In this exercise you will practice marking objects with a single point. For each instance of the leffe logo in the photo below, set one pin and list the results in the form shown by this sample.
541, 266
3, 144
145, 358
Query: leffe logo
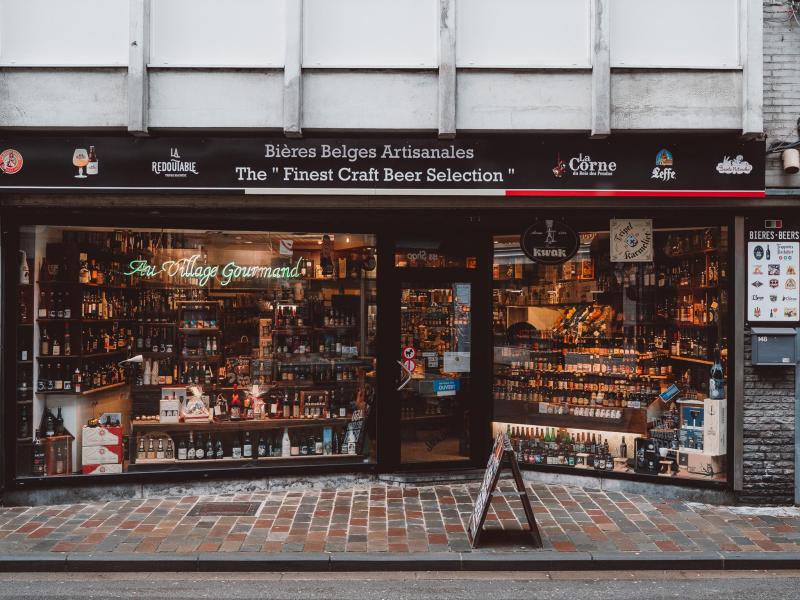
663, 169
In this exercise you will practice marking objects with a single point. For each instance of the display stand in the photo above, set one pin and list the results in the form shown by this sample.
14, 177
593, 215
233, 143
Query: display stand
502, 456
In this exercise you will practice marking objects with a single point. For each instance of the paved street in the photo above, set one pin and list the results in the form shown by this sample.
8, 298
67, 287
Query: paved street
380, 519
419, 586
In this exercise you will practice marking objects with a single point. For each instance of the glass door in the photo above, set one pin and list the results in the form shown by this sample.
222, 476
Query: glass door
434, 387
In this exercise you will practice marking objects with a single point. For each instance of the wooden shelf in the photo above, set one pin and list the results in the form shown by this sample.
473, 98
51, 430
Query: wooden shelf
633, 419
208, 357
83, 356
104, 388
236, 425
85, 393
698, 361
48, 320
230, 459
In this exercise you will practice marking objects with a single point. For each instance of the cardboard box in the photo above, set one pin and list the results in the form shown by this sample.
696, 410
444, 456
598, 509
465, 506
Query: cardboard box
700, 463
101, 455
715, 427
101, 436
102, 469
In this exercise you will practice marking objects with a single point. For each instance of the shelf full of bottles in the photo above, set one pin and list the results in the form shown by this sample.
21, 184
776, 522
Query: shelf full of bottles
428, 321
200, 446
555, 447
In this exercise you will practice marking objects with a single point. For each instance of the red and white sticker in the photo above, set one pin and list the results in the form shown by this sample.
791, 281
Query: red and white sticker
409, 352
10, 161
409, 364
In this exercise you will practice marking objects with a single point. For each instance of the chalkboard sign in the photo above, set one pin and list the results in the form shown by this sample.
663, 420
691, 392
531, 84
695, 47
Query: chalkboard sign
502, 456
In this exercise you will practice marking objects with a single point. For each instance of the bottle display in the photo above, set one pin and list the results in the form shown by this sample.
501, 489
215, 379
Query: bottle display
596, 362
210, 356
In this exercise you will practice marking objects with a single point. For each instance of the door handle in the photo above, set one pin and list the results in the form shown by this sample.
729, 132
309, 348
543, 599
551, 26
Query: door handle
407, 373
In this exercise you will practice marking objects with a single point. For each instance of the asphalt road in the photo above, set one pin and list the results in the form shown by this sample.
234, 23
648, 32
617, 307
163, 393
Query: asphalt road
418, 586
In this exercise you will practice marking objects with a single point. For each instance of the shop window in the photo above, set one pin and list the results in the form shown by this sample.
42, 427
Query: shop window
141, 350
606, 366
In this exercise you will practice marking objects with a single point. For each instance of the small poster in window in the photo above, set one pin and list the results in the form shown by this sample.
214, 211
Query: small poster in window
631, 240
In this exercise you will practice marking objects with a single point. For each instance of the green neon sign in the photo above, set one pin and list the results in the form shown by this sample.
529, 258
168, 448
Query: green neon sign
191, 268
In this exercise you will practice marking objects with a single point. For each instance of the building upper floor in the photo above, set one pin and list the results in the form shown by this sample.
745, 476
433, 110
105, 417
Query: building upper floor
407, 65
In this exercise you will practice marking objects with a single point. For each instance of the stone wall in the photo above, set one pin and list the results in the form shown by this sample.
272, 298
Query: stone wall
768, 460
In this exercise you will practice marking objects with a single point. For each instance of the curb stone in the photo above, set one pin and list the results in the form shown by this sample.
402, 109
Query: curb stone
73, 562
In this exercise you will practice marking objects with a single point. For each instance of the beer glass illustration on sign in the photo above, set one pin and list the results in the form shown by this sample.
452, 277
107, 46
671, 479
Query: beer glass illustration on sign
80, 158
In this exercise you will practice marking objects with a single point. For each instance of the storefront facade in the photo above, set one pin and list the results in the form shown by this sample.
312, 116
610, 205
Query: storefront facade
375, 304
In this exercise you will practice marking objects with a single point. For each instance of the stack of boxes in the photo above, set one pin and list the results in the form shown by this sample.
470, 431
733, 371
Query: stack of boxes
710, 429
102, 450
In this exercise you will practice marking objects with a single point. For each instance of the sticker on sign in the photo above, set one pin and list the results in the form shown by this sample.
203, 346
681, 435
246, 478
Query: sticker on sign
409, 352
409, 364
286, 247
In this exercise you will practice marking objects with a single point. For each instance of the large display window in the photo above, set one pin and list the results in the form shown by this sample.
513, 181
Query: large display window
616, 361
147, 350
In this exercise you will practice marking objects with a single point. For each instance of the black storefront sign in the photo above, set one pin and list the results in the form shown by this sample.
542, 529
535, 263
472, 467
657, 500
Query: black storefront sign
496, 165
549, 242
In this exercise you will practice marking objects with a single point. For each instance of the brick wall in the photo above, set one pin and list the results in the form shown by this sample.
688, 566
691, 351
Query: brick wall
781, 85
768, 459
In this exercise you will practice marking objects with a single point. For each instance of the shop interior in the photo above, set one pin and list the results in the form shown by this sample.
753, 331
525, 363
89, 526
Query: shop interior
169, 349
615, 366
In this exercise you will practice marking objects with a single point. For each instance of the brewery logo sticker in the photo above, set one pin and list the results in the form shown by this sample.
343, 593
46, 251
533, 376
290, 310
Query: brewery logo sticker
583, 166
757, 270
631, 240
758, 252
549, 242
10, 161
663, 170
773, 283
757, 284
774, 269
175, 166
734, 166
790, 284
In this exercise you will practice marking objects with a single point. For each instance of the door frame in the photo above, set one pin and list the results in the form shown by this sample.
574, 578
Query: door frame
390, 279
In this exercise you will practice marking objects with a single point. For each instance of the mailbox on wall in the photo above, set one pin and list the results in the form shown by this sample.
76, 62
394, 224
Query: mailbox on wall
774, 346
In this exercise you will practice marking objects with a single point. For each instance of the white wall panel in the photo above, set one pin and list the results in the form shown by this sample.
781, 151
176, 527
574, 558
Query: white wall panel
63, 98
369, 100
214, 99
213, 33
58, 33
676, 100
370, 33
523, 101
523, 33
678, 33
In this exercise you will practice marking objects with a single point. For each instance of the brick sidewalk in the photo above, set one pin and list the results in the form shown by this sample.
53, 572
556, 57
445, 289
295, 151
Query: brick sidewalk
394, 519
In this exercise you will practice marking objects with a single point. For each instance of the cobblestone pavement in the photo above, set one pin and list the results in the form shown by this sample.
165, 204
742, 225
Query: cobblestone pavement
394, 519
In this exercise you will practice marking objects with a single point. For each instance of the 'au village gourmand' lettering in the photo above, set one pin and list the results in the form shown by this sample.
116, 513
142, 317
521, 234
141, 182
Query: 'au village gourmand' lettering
190, 268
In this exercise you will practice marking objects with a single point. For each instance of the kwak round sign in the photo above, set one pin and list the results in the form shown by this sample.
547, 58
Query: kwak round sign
549, 242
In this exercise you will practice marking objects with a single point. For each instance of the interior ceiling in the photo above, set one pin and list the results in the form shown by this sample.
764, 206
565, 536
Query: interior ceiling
229, 239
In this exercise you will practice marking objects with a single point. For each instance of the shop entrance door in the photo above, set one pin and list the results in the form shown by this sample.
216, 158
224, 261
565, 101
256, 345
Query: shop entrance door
434, 388
437, 298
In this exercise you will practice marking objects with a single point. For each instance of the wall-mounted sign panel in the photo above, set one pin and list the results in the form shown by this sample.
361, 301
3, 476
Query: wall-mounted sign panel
773, 265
